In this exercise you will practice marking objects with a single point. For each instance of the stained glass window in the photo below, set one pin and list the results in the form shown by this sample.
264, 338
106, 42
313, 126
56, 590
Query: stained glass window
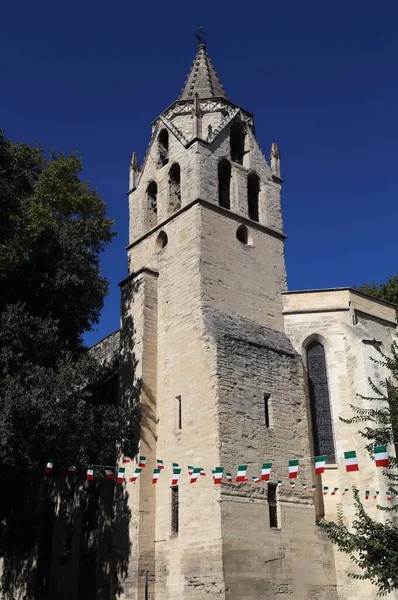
322, 427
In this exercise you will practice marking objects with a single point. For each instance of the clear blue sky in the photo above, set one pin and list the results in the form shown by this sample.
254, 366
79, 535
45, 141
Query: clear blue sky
320, 78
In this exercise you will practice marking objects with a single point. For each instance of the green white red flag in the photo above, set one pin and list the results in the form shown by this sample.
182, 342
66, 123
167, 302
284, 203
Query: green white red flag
312, 489
266, 471
217, 474
155, 476
202, 473
49, 467
345, 491
194, 475
376, 495
159, 464
292, 484
229, 477
176, 475
190, 470
135, 475
120, 475
334, 491
256, 479
367, 492
304, 486
90, 474
279, 483
126, 459
293, 468
109, 474
320, 462
351, 461
176, 466
389, 496
241, 474
142, 462
381, 456
325, 490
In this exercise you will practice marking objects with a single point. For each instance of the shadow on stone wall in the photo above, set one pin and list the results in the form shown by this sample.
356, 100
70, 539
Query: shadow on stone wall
80, 546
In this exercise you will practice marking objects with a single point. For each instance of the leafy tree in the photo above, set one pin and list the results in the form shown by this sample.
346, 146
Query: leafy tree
56, 403
373, 546
384, 291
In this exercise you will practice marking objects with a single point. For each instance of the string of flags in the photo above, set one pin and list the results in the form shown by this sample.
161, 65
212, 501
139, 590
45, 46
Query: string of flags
350, 457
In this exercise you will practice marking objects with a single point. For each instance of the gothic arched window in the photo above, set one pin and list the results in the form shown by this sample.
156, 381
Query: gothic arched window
224, 181
152, 203
174, 187
163, 143
321, 417
253, 191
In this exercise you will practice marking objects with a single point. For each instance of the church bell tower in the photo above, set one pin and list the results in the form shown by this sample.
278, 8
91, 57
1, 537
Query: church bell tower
221, 383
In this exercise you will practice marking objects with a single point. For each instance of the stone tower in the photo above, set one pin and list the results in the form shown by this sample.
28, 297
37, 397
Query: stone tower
221, 382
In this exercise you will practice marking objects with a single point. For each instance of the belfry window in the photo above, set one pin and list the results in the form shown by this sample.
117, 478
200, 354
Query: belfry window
163, 143
237, 142
174, 187
152, 203
224, 183
253, 191
321, 417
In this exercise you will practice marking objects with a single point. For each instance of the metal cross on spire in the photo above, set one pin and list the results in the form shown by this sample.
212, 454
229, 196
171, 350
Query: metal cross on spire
200, 35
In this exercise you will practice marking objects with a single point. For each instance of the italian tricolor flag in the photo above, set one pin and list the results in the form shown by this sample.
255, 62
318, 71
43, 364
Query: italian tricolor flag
334, 491
389, 496
90, 474
351, 461
304, 486
320, 462
202, 473
325, 490
71, 470
49, 467
120, 475
176, 475
241, 474
266, 471
190, 470
229, 477
126, 459
135, 475
142, 462
345, 491
109, 474
256, 479
313, 488
194, 475
279, 483
293, 468
159, 464
381, 456
377, 493
176, 466
367, 492
155, 476
217, 474
292, 484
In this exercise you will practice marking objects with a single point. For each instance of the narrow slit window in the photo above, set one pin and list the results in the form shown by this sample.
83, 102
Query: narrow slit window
174, 510
179, 412
267, 410
272, 506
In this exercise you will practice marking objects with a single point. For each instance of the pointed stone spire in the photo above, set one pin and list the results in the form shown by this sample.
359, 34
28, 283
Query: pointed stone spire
275, 160
202, 80
134, 171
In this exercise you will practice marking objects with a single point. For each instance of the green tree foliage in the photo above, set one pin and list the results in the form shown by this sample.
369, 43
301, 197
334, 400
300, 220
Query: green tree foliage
384, 291
373, 546
56, 400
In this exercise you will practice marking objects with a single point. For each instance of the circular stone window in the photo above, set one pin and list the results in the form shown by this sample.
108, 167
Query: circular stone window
243, 235
161, 241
